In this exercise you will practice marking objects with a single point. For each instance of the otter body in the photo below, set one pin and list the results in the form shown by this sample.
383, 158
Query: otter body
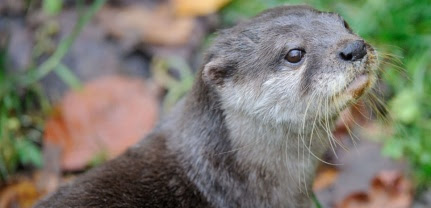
251, 131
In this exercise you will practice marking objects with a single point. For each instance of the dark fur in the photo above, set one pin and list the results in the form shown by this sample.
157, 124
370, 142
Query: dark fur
152, 175
148, 176
187, 161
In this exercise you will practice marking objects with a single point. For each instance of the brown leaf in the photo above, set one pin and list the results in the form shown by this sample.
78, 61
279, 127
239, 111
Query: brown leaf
388, 189
356, 200
105, 117
156, 25
198, 7
325, 178
22, 194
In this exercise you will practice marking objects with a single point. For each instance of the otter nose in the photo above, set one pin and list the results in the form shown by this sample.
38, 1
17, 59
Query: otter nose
354, 51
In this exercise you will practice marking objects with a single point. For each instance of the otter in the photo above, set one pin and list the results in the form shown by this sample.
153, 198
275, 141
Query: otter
253, 128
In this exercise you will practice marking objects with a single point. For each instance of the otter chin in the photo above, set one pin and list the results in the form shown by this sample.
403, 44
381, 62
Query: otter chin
254, 126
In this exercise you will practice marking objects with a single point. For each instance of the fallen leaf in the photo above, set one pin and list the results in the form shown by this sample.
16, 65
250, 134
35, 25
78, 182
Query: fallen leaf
324, 178
104, 118
388, 189
22, 194
138, 23
356, 200
198, 7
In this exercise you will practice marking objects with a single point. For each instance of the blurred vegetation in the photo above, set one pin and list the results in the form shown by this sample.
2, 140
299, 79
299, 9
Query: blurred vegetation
22, 102
20, 125
176, 87
401, 32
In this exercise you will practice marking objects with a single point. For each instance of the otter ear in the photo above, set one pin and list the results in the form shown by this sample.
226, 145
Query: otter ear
216, 72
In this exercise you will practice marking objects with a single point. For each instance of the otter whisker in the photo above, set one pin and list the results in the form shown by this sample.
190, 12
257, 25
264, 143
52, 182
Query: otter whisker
344, 147
372, 100
303, 142
398, 66
351, 134
395, 57
363, 104
299, 175
391, 56
286, 154
337, 109
327, 129
311, 137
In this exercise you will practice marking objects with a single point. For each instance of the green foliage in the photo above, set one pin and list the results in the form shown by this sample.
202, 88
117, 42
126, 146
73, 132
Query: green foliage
242, 9
22, 105
402, 29
52, 7
401, 33
20, 126
177, 88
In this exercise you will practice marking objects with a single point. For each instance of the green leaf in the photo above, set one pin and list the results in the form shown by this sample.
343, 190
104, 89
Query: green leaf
405, 106
29, 153
393, 148
425, 158
52, 7
67, 76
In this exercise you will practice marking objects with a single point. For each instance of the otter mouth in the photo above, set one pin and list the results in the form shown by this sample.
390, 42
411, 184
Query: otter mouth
358, 85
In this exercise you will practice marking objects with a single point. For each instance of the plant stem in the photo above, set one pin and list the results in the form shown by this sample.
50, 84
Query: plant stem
68, 77
315, 200
63, 47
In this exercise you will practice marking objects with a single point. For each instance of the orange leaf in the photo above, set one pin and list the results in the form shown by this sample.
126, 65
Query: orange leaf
22, 194
198, 7
147, 25
325, 178
388, 189
105, 117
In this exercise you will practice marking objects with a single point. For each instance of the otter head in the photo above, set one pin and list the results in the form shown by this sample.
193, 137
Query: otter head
290, 64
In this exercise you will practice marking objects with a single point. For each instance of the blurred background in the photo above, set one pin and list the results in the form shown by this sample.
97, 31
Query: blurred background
81, 80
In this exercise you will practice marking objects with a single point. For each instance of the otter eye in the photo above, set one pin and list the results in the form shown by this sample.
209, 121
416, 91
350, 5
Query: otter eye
294, 56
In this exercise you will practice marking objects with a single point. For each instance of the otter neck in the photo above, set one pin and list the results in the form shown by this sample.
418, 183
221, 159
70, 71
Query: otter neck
274, 145
264, 144
235, 159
